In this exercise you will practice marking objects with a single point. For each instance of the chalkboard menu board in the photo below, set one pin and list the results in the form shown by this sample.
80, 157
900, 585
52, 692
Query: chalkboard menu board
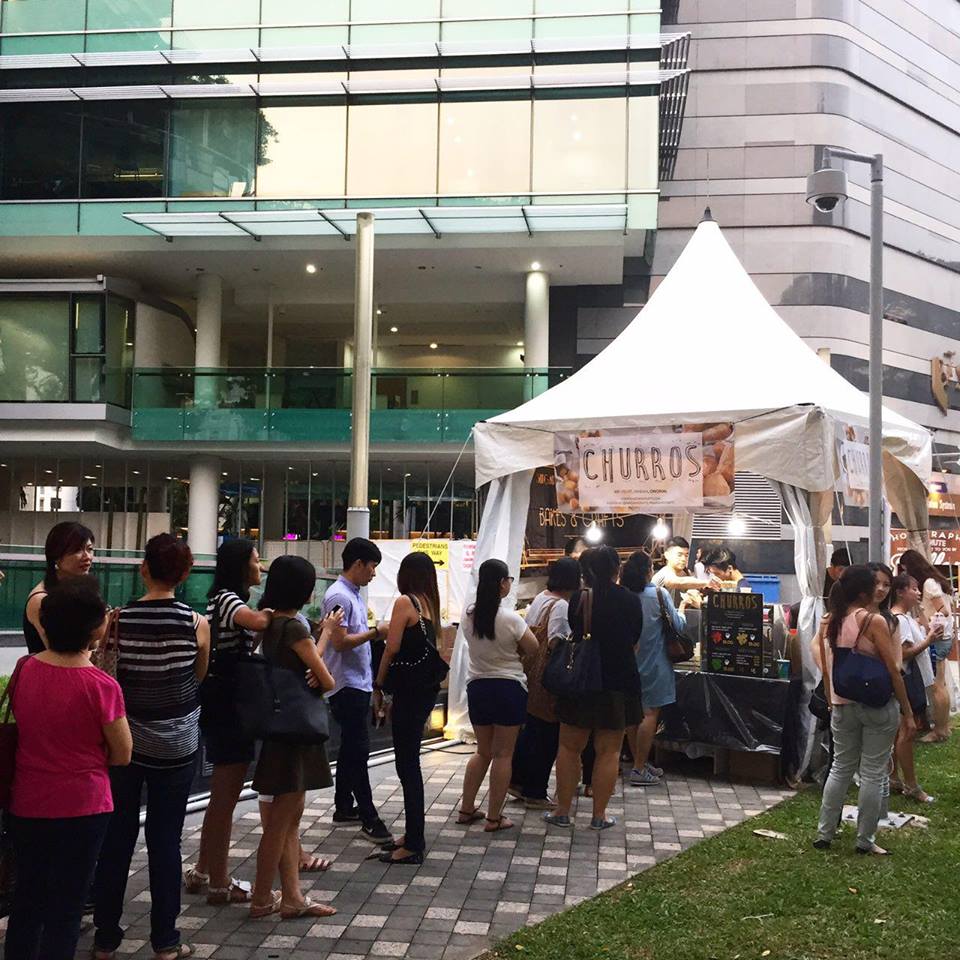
733, 639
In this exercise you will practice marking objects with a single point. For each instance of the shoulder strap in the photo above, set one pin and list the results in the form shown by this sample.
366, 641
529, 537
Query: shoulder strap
545, 613
587, 605
6, 701
416, 606
215, 623
864, 623
825, 673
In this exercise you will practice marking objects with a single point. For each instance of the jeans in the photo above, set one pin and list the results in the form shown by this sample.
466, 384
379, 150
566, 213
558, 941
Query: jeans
351, 710
167, 793
534, 756
55, 860
862, 738
409, 715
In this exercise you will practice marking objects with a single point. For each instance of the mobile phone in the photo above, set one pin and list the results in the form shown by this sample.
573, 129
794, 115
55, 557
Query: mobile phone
337, 609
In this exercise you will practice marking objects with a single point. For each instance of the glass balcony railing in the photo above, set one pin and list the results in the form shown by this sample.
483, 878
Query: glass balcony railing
312, 404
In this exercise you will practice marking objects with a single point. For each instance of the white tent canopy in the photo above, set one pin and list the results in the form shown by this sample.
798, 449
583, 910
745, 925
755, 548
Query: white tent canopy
707, 347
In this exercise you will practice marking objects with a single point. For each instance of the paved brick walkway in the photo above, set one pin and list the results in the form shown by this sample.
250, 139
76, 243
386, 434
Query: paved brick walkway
472, 889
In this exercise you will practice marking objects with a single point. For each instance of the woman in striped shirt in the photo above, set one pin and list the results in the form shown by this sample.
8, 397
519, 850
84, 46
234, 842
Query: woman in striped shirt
162, 652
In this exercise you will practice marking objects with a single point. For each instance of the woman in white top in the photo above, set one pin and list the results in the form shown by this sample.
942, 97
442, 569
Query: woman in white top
914, 641
936, 606
496, 638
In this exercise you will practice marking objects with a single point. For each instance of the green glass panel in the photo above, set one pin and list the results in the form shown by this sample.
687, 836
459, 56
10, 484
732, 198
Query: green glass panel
642, 212
186, 206
120, 341
652, 6
302, 37
215, 39
152, 424
387, 426
457, 424
41, 151
88, 380
34, 348
38, 219
390, 10
212, 150
112, 42
478, 30
23, 16
309, 426
86, 324
581, 26
645, 23
64, 43
107, 219
123, 150
236, 425
216, 13
120, 14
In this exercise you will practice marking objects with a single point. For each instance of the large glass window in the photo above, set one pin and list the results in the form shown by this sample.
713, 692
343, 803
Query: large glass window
34, 348
644, 171
292, 11
212, 150
26, 16
479, 30
125, 14
389, 11
302, 151
216, 13
119, 350
468, 164
392, 149
579, 144
123, 146
40, 152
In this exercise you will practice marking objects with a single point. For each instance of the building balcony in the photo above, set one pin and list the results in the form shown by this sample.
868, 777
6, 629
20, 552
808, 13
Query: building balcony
312, 404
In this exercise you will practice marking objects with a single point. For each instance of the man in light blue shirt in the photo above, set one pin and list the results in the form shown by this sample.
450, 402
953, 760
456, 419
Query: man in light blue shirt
350, 662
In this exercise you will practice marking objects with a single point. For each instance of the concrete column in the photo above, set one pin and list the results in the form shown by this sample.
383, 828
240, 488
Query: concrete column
536, 320
358, 505
203, 504
209, 310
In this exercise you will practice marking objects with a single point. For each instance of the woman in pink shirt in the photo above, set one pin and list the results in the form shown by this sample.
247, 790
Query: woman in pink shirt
71, 727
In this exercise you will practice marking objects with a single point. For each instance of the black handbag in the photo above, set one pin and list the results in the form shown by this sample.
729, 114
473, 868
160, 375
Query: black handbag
859, 677
678, 645
916, 691
276, 703
218, 690
421, 669
574, 668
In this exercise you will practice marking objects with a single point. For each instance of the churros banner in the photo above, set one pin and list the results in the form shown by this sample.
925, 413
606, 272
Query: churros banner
659, 470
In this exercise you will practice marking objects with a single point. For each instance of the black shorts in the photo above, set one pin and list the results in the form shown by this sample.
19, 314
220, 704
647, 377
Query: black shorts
496, 701
226, 745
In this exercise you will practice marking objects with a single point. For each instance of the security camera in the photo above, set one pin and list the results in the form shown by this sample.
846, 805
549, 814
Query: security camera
827, 189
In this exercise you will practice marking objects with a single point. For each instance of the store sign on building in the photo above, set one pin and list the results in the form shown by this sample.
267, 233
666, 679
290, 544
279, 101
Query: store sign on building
944, 375
944, 546
944, 495
660, 470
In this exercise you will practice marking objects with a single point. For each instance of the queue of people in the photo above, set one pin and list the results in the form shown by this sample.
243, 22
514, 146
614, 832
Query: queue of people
113, 739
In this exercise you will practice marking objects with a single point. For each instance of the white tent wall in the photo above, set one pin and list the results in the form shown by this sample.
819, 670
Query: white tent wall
501, 534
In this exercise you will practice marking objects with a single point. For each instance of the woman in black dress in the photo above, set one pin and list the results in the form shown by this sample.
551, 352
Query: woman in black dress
413, 628
286, 771
617, 619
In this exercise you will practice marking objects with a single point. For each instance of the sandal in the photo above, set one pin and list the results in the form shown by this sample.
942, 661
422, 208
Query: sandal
194, 881
306, 909
472, 817
896, 786
501, 823
919, 794
315, 865
238, 892
180, 952
557, 819
260, 910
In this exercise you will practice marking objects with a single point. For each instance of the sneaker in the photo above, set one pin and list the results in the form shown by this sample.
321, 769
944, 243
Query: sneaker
539, 803
557, 820
656, 771
377, 833
348, 816
643, 778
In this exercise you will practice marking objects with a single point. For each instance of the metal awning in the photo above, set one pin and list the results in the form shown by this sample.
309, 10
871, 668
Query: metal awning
421, 220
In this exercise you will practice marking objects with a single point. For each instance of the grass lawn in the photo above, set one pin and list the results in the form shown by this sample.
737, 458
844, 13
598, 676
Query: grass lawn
736, 895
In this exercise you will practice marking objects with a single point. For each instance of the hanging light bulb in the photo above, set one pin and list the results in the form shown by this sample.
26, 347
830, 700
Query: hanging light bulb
660, 530
593, 533
737, 527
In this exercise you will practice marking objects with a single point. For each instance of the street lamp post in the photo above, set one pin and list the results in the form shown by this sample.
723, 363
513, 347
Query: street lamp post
826, 189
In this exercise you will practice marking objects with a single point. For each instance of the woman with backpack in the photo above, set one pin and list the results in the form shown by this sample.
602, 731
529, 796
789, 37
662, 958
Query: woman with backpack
612, 617
536, 749
863, 730
658, 686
